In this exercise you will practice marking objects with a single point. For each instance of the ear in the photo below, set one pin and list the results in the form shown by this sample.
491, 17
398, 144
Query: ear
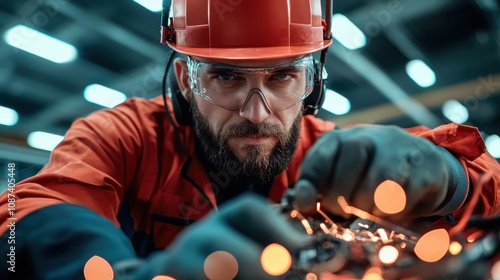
181, 73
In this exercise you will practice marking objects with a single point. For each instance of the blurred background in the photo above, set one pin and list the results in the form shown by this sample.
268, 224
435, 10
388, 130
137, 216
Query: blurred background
402, 62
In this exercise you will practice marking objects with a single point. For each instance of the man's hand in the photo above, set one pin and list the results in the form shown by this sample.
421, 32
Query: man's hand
243, 228
353, 162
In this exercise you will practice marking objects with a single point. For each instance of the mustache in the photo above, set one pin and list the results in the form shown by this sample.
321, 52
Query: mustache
247, 128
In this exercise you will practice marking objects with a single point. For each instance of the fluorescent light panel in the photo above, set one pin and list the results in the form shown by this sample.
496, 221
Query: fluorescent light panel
347, 33
336, 103
40, 44
493, 145
420, 73
103, 96
44, 140
455, 111
152, 5
8, 116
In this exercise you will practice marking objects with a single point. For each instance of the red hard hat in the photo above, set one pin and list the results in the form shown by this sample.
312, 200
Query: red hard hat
245, 29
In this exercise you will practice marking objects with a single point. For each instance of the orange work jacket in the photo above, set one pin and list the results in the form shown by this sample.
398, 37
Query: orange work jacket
124, 163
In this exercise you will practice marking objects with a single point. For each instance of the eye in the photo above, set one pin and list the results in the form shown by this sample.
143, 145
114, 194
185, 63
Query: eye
286, 74
226, 77
281, 76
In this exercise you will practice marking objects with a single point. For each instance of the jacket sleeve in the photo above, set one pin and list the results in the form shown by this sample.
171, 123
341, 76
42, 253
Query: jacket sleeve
74, 200
466, 144
91, 167
61, 238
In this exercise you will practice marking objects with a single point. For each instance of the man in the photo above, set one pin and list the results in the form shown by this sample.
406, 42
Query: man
132, 180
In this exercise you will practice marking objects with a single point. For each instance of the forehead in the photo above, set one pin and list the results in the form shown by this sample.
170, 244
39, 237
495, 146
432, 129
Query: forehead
248, 63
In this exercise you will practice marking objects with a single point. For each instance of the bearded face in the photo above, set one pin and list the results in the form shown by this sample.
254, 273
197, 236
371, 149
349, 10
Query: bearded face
260, 161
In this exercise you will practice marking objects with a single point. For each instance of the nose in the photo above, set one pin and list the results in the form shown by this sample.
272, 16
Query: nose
255, 108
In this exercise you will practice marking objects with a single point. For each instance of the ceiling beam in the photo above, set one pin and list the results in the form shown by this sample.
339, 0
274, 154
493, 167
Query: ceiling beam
400, 38
386, 17
73, 75
142, 82
470, 93
16, 153
114, 32
381, 13
145, 81
385, 85
33, 90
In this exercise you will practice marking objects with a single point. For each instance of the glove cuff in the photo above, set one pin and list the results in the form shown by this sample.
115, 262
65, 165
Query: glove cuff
457, 187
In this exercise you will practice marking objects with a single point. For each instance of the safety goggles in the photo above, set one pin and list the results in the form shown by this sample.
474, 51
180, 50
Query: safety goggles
281, 86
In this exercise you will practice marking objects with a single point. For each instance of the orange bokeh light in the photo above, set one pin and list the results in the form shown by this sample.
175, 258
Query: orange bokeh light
373, 273
474, 236
433, 245
388, 254
276, 260
220, 265
97, 268
163, 277
311, 276
390, 197
455, 248
495, 271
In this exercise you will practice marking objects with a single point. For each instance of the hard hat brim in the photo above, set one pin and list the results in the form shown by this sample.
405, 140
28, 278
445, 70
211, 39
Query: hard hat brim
257, 53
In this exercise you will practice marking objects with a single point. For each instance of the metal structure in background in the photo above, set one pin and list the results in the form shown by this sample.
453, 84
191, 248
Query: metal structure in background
118, 47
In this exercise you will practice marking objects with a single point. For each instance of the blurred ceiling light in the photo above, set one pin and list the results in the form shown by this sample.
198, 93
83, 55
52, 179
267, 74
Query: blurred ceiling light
44, 140
152, 5
455, 111
493, 145
420, 73
9, 117
40, 44
336, 103
348, 34
103, 96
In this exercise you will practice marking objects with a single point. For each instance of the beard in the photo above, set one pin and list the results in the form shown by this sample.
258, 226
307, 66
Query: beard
255, 165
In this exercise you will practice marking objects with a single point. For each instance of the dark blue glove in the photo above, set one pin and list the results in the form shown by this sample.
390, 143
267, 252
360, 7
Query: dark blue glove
243, 227
353, 162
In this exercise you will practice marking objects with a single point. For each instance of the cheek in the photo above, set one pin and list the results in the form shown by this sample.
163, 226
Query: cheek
289, 116
215, 116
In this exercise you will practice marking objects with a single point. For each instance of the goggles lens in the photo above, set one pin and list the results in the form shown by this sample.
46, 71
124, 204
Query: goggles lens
283, 85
